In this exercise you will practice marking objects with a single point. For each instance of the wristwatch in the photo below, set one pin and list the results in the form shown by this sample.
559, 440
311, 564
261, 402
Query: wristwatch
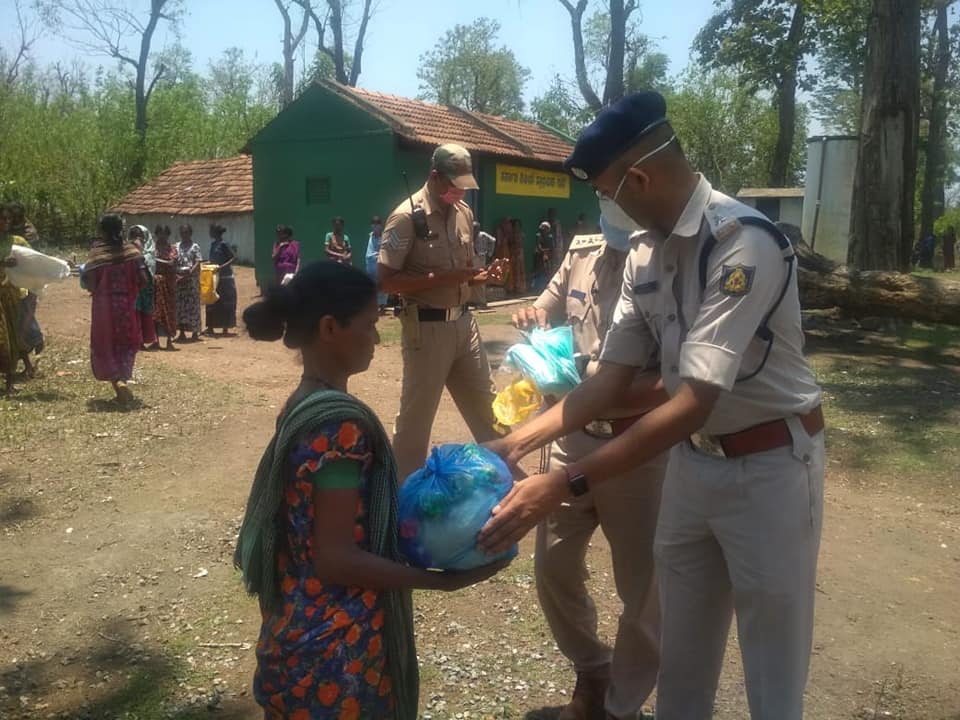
577, 483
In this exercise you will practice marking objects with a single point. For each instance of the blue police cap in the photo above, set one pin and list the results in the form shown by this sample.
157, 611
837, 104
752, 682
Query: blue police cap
614, 131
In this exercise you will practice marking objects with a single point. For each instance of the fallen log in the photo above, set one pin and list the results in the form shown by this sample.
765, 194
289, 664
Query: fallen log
825, 284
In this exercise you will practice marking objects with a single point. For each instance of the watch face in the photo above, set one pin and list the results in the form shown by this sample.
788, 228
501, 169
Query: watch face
578, 485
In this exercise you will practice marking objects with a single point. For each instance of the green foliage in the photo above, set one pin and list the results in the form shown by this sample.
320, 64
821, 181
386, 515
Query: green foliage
67, 136
561, 108
727, 131
753, 37
468, 70
951, 218
841, 36
643, 68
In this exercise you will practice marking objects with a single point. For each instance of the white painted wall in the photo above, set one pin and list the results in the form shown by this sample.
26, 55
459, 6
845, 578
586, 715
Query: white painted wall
791, 209
239, 233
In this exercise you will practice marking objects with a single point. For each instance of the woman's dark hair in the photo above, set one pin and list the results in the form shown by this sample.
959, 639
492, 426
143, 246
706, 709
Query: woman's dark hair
188, 227
111, 225
293, 311
285, 230
338, 220
162, 231
217, 230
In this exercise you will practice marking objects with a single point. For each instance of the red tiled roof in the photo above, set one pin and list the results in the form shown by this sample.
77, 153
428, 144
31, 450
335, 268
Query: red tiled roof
429, 124
198, 187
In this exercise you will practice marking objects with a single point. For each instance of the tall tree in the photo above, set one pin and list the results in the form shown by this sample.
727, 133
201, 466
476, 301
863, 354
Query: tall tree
347, 66
881, 226
728, 131
27, 34
618, 14
643, 66
292, 37
840, 28
767, 42
935, 157
109, 27
468, 70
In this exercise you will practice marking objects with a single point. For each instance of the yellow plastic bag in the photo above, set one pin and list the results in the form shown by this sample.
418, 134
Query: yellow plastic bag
208, 284
516, 402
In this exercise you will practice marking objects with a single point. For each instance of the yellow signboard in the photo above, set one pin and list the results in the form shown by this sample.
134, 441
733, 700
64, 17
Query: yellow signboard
514, 180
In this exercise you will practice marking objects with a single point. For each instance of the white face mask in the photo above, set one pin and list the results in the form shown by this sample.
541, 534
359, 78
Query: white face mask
615, 216
610, 210
616, 238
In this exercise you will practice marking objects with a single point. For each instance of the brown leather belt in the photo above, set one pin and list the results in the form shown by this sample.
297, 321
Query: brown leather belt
607, 429
441, 314
759, 438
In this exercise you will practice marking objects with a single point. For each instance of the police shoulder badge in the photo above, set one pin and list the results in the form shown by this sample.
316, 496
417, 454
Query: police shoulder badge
736, 280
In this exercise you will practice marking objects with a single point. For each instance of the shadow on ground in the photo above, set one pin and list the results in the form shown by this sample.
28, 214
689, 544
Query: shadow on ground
114, 676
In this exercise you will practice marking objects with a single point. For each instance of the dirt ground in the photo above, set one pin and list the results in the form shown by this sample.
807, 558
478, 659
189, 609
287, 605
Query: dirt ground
118, 597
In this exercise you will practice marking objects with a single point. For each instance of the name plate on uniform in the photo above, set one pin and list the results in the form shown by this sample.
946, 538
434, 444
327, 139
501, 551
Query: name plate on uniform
528, 182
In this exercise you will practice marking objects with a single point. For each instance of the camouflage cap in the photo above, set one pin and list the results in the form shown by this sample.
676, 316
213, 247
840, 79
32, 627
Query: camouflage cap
454, 162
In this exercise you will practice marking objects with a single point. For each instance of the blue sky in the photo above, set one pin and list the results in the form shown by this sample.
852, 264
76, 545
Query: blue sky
538, 31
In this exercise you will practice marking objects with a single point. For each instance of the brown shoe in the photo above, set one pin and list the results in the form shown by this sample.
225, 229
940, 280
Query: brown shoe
588, 696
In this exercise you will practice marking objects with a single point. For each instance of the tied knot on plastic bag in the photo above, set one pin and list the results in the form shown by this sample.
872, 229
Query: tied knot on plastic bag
546, 366
444, 505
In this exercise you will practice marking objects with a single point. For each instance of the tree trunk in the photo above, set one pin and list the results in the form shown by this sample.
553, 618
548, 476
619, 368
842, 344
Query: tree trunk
881, 225
787, 101
142, 92
613, 89
290, 44
580, 62
823, 284
336, 25
356, 65
932, 194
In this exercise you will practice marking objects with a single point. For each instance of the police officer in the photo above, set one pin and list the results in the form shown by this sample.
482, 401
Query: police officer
740, 515
427, 257
583, 294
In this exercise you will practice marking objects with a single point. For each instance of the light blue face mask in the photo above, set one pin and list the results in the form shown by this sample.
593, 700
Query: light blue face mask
616, 237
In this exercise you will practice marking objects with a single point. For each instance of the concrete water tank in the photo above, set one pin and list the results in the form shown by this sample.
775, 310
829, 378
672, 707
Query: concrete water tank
828, 197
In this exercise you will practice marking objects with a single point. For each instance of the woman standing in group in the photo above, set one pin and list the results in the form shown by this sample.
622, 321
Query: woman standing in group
10, 297
222, 313
141, 239
165, 285
188, 285
518, 263
318, 543
337, 244
543, 257
115, 272
286, 254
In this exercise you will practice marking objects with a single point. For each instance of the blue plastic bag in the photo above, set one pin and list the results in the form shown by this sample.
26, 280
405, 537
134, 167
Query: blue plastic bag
547, 360
444, 505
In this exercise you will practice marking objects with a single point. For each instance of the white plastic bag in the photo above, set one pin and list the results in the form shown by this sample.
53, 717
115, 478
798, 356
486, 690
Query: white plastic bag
34, 270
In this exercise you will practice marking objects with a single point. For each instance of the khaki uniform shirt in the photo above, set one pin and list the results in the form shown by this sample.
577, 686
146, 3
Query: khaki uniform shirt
710, 335
584, 293
449, 247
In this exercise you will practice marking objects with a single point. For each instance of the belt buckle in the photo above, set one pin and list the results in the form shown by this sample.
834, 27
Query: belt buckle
601, 429
707, 444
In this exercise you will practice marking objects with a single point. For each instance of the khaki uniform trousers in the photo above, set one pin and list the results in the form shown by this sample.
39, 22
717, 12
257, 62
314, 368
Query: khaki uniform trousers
739, 535
625, 508
438, 354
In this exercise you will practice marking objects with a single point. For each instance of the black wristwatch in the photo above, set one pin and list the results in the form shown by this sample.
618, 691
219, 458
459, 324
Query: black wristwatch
577, 483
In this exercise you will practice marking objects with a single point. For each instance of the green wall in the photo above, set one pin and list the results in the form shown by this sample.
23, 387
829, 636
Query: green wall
322, 135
